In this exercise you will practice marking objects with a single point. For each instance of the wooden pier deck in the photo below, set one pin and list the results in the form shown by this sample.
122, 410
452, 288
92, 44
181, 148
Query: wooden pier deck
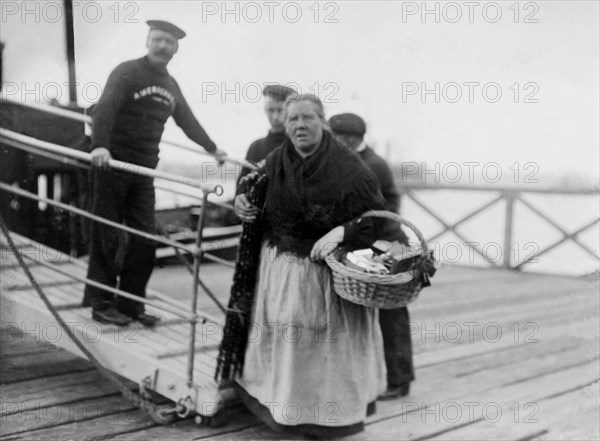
498, 355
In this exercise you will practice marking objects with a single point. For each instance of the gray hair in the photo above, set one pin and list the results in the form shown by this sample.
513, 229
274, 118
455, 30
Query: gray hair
311, 98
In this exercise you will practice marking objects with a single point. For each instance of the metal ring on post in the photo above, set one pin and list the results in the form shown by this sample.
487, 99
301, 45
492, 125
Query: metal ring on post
184, 407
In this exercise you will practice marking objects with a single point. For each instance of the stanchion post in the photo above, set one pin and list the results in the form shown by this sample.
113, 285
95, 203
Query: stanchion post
195, 285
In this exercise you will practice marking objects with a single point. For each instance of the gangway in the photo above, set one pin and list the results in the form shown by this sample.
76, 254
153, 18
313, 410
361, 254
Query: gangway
154, 358
176, 358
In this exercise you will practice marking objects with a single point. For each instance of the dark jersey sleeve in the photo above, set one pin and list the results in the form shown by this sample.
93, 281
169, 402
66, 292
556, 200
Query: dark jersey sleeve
361, 232
189, 124
105, 110
254, 154
251, 156
388, 187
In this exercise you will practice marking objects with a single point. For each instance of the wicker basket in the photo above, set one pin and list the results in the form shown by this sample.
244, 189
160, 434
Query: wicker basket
384, 291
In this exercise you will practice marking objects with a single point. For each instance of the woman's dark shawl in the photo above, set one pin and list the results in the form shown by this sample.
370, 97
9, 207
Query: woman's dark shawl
306, 198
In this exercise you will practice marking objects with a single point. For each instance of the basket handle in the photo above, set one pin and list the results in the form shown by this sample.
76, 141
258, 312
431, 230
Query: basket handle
393, 216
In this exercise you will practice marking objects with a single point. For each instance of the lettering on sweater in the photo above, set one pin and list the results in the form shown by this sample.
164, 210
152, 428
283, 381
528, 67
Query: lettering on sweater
156, 93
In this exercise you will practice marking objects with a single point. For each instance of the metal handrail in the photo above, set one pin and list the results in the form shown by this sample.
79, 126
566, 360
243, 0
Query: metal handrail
18, 140
70, 114
63, 160
53, 110
79, 211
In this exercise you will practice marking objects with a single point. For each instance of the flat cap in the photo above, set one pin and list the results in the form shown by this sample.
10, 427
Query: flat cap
278, 92
348, 124
165, 26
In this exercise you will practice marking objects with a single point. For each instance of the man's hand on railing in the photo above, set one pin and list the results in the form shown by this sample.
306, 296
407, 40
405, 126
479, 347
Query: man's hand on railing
220, 156
100, 157
244, 209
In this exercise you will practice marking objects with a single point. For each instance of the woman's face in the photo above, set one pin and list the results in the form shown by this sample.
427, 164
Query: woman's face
304, 127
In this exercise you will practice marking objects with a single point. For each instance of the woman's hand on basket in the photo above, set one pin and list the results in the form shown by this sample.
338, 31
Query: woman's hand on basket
326, 244
244, 209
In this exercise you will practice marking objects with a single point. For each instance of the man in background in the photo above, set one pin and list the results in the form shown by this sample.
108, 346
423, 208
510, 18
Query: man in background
274, 97
349, 130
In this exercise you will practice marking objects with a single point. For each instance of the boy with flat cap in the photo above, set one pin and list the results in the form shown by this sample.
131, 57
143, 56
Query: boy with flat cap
274, 97
349, 130
127, 124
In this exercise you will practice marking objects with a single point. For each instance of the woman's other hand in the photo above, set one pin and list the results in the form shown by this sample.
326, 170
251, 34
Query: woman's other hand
244, 209
326, 244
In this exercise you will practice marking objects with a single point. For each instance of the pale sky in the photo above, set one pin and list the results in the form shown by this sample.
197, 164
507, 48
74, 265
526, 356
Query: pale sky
372, 58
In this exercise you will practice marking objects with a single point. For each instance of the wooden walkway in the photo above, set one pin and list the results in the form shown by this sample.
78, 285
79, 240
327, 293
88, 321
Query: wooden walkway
498, 355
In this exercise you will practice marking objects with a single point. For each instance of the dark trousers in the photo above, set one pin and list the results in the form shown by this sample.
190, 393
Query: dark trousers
119, 259
397, 345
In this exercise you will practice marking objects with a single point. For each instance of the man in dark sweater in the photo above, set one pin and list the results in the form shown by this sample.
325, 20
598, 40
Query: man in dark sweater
127, 124
274, 96
349, 130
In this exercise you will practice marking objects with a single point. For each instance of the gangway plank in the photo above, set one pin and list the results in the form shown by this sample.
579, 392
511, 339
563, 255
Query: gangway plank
154, 356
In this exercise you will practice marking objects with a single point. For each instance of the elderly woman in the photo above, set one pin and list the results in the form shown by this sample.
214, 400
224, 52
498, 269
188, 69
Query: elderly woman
304, 359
